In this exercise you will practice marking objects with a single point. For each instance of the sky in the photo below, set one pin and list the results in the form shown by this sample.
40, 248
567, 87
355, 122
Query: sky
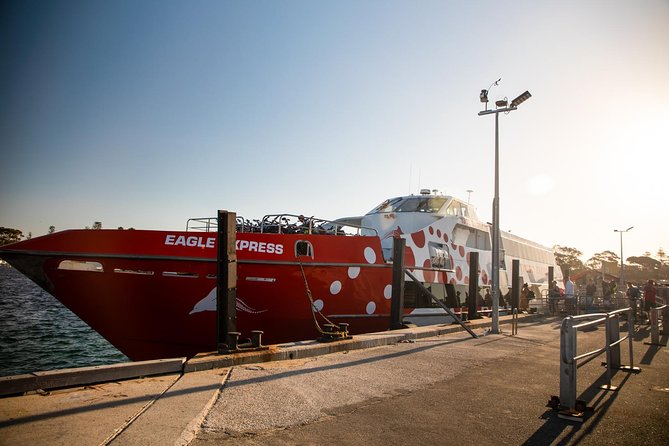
146, 113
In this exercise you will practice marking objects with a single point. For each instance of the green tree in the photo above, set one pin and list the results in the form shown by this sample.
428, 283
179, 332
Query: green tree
595, 262
647, 263
52, 229
568, 259
9, 235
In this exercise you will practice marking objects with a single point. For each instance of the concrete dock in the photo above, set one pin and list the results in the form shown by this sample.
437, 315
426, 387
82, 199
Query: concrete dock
427, 385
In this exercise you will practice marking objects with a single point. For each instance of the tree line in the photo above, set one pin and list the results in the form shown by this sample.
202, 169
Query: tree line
638, 269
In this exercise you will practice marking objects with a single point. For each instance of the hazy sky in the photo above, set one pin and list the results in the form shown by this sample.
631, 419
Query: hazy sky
146, 113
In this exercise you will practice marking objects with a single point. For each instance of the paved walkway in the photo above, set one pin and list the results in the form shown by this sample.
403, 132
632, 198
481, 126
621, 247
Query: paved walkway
446, 389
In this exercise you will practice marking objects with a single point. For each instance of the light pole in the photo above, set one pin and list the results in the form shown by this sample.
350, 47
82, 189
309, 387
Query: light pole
501, 107
622, 271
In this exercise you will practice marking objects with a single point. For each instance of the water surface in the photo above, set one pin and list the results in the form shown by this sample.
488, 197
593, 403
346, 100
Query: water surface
38, 333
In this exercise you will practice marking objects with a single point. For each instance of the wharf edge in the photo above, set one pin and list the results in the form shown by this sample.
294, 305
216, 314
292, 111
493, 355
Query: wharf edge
493, 389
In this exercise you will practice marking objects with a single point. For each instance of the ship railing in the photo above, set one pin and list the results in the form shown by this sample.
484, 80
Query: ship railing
283, 224
299, 224
570, 360
208, 224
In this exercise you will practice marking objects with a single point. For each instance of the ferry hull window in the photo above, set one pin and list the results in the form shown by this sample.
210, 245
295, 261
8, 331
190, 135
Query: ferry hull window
439, 256
78, 265
133, 271
304, 248
181, 274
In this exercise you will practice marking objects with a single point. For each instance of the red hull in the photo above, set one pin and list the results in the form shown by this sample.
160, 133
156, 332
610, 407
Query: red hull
150, 293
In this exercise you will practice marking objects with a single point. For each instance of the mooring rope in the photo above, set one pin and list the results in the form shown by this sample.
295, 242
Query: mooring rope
314, 310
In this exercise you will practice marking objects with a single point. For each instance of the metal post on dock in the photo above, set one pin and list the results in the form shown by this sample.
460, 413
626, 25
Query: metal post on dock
472, 303
226, 282
567, 363
515, 283
397, 296
551, 305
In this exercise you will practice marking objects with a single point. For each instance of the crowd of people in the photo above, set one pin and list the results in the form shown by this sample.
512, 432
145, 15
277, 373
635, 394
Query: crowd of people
567, 298
644, 297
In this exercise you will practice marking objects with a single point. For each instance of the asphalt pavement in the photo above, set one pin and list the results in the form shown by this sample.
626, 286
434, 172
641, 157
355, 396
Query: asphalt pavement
445, 389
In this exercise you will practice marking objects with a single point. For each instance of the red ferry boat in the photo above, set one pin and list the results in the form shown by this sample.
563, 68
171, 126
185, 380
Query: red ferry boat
152, 294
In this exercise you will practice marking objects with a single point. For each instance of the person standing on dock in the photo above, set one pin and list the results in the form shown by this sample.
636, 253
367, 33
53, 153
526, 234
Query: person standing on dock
649, 296
524, 301
569, 295
553, 297
590, 290
633, 295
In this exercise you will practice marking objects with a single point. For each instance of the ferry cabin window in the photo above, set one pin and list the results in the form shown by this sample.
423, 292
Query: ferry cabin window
525, 251
457, 209
386, 206
477, 239
411, 204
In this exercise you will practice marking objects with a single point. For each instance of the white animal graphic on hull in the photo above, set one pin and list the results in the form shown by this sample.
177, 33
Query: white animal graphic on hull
208, 303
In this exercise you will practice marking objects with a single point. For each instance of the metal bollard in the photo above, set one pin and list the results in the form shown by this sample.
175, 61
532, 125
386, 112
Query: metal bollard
256, 336
233, 340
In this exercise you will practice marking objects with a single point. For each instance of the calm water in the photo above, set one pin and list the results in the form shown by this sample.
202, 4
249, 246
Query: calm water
38, 333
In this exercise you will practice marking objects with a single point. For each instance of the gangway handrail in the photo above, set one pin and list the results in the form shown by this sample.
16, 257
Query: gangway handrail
440, 303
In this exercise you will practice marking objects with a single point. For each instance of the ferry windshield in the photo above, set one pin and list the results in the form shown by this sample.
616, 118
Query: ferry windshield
410, 204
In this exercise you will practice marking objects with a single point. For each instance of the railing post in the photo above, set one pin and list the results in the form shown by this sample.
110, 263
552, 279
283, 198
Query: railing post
568, 364
397, 296
226, 281
612, 337
655, 328
630, 335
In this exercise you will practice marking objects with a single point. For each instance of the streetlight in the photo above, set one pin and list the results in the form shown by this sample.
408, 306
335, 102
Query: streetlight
622, 271
469, 194
502, 106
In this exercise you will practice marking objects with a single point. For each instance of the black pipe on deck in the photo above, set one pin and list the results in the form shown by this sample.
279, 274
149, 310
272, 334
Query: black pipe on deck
397, 296
472, 303
515, 283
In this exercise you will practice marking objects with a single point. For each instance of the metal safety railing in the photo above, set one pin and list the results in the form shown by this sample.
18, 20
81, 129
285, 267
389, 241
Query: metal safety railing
577, 304
658, 324
570, 361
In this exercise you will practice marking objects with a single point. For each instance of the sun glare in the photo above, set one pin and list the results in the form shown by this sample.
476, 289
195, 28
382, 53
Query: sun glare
539, 185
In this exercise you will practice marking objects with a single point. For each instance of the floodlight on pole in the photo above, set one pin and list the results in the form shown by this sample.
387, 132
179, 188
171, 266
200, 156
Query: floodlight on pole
622, 271
495, 203
520, 99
